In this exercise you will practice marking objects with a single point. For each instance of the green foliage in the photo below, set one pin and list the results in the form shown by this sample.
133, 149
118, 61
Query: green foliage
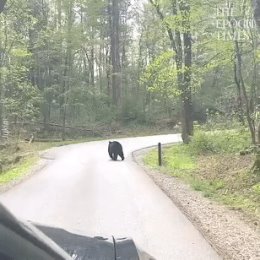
229, 141
20, 53
132, 111
202, 143
22, 100
161, 75
50, 50
256, 189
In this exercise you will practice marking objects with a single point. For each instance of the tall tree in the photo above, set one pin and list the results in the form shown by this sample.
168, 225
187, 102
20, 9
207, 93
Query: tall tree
115, 51
180, 39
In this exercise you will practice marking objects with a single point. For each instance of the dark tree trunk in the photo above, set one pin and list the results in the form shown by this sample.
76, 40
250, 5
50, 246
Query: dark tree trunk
256, 6
2, 4
115, 52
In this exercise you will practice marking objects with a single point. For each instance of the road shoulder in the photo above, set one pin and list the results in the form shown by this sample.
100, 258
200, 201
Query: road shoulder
225, 230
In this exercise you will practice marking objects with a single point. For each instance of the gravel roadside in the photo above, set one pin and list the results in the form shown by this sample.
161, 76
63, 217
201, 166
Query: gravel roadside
225, 229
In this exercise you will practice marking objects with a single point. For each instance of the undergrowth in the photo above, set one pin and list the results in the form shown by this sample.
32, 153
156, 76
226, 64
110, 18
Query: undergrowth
212, 165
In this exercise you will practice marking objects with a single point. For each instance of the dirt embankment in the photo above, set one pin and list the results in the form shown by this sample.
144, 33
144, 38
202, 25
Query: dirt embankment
229, 232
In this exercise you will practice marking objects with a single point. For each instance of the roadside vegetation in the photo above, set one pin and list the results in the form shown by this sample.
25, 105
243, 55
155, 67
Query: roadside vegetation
212, 164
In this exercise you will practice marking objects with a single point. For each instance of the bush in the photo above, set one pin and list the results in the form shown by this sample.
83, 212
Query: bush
224, 141
202, 143
220, 122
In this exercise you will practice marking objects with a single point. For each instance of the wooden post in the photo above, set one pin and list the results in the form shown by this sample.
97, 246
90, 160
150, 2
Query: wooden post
160, 154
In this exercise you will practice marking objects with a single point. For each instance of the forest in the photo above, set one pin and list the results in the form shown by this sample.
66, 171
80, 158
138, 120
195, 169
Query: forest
76, 67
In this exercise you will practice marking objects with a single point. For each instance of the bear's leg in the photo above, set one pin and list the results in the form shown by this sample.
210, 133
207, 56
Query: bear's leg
115, 156
110, 154
121, 155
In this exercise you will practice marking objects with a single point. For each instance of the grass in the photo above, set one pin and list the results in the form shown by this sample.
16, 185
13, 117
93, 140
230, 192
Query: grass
17, 171
212, 165
256, 189
182, 158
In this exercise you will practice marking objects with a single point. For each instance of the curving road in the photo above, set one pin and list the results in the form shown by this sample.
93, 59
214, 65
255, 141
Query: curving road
82, 190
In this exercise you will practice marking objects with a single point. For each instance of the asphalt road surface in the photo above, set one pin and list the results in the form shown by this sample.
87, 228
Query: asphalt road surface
82, 190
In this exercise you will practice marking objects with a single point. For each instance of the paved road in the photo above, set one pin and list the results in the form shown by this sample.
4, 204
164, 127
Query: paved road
82, 190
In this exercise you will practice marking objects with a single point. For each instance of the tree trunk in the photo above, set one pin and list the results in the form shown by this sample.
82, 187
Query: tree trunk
108, 72
1, 107
2, 4
115, 53
256, 6
240, 80
185, 9
2, 89
183, 60
256, 168
67, 69
239, 95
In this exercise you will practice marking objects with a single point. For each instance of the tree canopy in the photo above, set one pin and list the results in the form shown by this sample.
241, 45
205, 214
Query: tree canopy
94, 64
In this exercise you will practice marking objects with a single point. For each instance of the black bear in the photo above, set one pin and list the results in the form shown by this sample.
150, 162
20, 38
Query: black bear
115, 149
